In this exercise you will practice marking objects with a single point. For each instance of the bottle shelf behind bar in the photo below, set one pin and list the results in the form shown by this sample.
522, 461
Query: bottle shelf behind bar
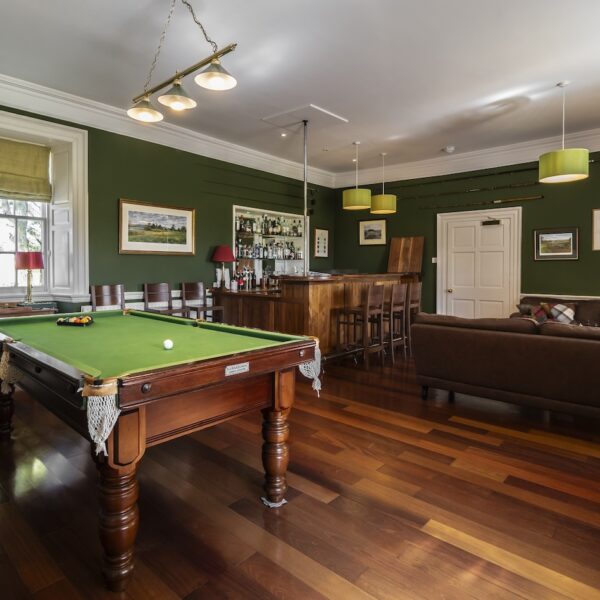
268, 242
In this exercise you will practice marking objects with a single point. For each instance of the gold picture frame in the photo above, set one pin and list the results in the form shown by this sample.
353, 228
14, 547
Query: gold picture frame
146, 228
372, 232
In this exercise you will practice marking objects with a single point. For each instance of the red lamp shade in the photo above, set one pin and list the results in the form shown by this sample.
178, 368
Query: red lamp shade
223, 254
29, 260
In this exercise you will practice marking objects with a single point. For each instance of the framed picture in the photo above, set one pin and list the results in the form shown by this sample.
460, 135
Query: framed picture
556, 244
155, 229
596, 229
321, 237
372, 232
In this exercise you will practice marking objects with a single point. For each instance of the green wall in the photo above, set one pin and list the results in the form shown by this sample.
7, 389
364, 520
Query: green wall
563, 205
125, 167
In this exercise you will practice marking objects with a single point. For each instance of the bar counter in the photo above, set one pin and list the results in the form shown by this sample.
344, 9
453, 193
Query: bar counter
302, 305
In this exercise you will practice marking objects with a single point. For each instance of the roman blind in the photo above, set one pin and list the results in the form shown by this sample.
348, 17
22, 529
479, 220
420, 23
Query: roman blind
24, 171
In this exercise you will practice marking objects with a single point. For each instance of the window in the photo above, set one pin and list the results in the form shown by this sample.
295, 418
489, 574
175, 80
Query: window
23, 228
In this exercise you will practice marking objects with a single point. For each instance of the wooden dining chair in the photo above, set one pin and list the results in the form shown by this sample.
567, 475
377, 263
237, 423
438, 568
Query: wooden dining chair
107, 295
194, 291
161, 292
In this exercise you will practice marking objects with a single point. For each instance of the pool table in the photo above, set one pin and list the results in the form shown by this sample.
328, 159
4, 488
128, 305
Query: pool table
213, 373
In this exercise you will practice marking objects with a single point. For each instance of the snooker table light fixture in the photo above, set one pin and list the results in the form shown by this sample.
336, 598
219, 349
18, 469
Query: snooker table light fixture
214, 77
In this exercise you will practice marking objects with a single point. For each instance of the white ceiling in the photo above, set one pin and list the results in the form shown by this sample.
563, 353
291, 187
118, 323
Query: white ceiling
412, 76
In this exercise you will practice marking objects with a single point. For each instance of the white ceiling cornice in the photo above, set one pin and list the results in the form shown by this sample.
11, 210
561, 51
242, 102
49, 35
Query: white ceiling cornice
489, 158
41, 100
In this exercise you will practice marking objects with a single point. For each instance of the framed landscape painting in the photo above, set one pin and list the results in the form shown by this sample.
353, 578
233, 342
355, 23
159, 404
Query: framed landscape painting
155, 229
556, 244
372, 232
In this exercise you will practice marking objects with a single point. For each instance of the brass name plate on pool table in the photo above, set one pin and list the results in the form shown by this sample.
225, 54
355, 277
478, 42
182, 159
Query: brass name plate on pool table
237, 369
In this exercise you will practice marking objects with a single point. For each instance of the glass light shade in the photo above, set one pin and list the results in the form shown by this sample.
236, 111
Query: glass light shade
356, 199
145, 112
560, 166
215, 77
383, 204
177, 99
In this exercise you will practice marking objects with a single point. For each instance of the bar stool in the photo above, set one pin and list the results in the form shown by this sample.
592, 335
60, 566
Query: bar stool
368, 319
413, 307
395, 316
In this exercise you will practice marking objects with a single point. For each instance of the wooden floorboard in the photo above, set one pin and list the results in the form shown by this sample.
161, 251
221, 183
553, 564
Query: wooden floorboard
390, 498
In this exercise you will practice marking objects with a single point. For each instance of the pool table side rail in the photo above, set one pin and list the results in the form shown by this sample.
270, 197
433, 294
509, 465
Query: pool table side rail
146, 386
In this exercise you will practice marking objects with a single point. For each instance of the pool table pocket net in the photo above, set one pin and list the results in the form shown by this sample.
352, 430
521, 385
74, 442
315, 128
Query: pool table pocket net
102, 410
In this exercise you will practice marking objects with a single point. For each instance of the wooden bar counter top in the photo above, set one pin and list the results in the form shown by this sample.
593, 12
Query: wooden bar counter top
305, 305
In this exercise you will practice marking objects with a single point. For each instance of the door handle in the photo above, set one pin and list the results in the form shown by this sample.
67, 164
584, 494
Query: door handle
449, 290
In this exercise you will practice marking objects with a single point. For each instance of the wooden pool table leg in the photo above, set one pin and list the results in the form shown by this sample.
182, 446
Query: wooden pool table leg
275, 454
7, 408
119, 522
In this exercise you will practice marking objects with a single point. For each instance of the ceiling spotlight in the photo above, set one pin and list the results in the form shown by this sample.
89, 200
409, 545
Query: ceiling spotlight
449, 149
215, 77
283, 134
176, 98
144, 111
353, 160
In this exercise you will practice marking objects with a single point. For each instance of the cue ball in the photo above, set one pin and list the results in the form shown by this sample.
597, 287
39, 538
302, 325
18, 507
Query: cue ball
168, 344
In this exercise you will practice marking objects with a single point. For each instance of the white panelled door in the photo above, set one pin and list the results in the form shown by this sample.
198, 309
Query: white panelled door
479, 263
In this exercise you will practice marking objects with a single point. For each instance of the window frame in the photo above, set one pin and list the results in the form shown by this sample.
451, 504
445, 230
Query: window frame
21, 289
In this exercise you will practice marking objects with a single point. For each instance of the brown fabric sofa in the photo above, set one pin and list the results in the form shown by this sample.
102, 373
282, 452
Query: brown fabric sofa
586, 311
551, 366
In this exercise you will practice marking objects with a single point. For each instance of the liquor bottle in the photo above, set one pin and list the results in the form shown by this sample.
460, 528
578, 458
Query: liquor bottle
237, 222
300, 228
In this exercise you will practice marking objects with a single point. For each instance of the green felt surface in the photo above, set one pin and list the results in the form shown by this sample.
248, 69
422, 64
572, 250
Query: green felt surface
116, 345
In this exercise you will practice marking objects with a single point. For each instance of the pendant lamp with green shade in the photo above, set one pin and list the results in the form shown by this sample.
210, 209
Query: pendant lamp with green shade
567, 164
356, 198
383, 204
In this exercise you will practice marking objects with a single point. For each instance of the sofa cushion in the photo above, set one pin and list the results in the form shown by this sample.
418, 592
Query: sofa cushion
588, 311
563, 313
514, 325
570, 331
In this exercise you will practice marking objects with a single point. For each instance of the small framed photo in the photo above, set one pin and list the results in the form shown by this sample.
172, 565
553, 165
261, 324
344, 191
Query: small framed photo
372, 232
321, 238
155, 229
556, 244
596, 229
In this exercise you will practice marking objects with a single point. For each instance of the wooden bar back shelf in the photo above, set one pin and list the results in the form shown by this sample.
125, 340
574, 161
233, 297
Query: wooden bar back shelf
406, 254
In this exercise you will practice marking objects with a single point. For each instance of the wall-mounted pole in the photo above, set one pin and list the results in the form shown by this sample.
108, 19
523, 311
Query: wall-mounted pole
306, 227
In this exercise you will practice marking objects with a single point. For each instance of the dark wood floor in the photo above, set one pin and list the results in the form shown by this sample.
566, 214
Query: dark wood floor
390, 498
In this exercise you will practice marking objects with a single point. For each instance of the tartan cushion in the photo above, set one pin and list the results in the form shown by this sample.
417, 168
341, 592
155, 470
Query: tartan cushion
563, 313
540, 313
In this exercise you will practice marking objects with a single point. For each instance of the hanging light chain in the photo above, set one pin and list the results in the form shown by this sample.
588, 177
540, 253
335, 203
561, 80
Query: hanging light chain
563, 115
191, 9
356, 161
383, 173
160, 43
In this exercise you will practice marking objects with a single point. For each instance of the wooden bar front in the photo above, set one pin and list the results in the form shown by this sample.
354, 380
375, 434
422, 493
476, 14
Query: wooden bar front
302, 305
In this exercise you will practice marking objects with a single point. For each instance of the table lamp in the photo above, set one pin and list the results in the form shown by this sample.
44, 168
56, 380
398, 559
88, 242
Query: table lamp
223, 254
29, 261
